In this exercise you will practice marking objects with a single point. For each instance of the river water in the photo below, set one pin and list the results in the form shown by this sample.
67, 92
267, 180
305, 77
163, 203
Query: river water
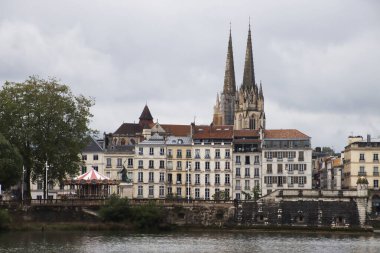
183, 242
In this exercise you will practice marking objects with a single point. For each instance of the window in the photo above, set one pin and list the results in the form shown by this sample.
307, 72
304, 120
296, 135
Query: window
227, 153
246, 185
179, 191
179, 178
95, 168
151, 190
279, 168
179, 165
108, 174
39, 197
257, 159
151, 151
361, 169
361, 158
207, 193
179, 153
197, 191
247, 172
162, 164
300, 156
238, 172
119, 162
188, 178
140, 177
140, 164
170, 191
292, 155
151, 164
252, 123
279, 155
257, 172
207, 179
207, 155
207, 165
162, 191
197, 178
269, 168
162, 177
217, 153
227, 193
84, 157
39, 185
237, 159
84, 169
170, 178
376, 171
257, 183
141, 151
301, 180
247, 160
170, 153
268, 155
130, 162
96, 157
238, 196
188, 153
376, 157
376, 183
140, 190
197, 165
217, 165
188, 192
301, 167
151, 177
217, 179
197, 154
188, 165
227, 179
162, 151
228, 166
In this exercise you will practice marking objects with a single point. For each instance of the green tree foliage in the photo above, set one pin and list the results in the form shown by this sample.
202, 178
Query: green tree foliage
10, 164
146, 216
255, 194
47, 123
4, 219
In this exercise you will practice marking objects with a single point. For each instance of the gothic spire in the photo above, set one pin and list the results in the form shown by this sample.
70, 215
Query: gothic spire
249, 72
229, 75
261, 94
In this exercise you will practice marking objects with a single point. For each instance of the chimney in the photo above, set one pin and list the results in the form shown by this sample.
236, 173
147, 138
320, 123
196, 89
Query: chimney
368, 138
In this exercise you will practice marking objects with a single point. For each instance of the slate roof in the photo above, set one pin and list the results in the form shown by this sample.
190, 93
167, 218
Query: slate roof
278, 134
92, 146
129, 129
178, 140
146, 115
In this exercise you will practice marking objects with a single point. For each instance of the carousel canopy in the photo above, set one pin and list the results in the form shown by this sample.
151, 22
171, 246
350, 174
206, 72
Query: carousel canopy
91, 175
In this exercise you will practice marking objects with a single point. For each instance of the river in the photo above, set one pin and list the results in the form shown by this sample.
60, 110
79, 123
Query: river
183, 242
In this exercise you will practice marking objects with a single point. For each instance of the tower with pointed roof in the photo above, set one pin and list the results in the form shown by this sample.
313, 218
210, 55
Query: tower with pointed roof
146, 118
225, 107
249, 106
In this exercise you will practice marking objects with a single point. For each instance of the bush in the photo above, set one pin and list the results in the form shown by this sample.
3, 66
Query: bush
117, 209
4, 218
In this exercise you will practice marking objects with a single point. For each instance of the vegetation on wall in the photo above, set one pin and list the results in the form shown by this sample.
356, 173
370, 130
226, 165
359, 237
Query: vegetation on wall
10, 164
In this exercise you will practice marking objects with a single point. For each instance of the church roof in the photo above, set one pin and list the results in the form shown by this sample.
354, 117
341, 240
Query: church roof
277, 134
229, 75
249, 70
146, 115
129, 129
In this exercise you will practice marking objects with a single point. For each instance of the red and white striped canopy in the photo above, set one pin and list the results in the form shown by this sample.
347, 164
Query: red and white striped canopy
91, 175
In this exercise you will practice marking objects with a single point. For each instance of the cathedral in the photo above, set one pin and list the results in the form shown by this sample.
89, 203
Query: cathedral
241, 107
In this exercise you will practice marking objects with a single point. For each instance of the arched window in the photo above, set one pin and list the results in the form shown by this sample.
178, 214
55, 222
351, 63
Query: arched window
252, 123
122, 142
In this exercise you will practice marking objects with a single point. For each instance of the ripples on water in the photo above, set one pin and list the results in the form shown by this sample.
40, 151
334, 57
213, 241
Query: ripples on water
187, 242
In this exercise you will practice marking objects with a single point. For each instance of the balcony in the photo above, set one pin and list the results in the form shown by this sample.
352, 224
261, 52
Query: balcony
376, 174
279, 160
247, 176
197, 183
269, 185
237, 162
207, 183
140, 167
179, 156
237, 175
257, 176
130, 166
170, 182
179, 168
207, 157
217, 184
256, 163
290, 172
151, 181
290, 159
227, 169
247, 188
269, 159
362, 160
362, 173
170, 156
290, 185
188, 156
227, 184
280, 185
197, 157
217, 157
269, 172
179, 182
238, 187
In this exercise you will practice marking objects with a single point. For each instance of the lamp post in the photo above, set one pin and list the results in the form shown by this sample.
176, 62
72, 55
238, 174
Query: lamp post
22, 185
188, 182
46, 180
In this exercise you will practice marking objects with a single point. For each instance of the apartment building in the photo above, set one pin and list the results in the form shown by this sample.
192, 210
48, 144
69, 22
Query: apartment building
286, 162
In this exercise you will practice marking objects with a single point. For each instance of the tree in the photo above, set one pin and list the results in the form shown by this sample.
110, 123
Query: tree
255, 194
10, 164
48, 124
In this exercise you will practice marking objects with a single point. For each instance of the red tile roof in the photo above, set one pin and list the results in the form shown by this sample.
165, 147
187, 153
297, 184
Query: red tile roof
246, 133
284, 134
213, 132
129, 129
177, 130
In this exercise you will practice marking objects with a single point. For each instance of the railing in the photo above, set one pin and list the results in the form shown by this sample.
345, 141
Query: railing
362, 173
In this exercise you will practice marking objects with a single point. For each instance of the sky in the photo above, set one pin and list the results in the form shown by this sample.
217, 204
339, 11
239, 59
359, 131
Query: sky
318, 60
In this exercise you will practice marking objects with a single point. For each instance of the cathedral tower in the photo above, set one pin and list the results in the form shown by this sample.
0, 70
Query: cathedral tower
249, 106
225, 107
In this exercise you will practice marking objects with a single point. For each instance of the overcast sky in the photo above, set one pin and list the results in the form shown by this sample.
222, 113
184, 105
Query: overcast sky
318, 60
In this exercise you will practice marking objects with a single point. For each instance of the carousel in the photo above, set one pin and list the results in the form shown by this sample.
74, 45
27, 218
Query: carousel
91, 185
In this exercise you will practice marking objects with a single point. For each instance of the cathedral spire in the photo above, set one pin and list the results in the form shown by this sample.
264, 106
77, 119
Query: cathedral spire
229, 75
261, 94
249, 72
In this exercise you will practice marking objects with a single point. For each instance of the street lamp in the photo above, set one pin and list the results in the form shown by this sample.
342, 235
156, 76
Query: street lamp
22, 185
46, 180
188, 182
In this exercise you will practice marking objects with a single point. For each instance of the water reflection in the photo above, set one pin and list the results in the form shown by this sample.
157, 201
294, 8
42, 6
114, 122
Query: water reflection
62, 241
